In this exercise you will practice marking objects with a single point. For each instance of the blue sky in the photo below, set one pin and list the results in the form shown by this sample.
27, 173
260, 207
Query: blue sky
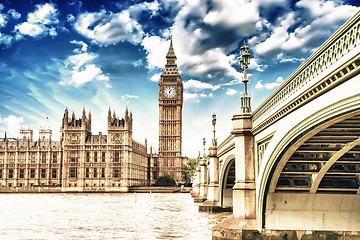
100, 54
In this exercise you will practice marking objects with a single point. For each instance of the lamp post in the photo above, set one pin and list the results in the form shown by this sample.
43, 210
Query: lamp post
214, 142
244, 63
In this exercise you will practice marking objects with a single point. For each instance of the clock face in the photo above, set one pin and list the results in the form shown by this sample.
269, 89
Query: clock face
169, 92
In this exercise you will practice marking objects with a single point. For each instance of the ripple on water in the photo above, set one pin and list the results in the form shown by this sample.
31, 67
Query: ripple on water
104, 216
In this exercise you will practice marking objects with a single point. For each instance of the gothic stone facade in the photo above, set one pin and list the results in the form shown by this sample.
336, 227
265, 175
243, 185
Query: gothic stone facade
80, 161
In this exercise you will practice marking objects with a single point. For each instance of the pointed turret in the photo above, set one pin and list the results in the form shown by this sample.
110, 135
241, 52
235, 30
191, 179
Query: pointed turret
109, 115
89, 122
171, 52
170, 66
73, 116
65, 120
66, 117
83, 116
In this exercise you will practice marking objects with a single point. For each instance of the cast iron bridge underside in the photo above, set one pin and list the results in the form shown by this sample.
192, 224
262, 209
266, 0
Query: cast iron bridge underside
328, 162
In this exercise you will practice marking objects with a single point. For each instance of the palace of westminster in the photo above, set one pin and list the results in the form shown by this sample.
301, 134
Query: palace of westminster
81, 161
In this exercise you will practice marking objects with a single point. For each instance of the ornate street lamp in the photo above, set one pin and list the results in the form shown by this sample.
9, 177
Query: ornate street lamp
214, 142
244, 63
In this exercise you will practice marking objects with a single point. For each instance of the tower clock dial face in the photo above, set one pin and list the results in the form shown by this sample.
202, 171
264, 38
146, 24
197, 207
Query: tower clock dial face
169, 92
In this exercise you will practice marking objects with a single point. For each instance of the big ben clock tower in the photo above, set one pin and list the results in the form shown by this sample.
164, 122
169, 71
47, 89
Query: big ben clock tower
170, 118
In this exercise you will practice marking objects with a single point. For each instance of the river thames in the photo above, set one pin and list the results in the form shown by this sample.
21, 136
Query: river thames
104, 216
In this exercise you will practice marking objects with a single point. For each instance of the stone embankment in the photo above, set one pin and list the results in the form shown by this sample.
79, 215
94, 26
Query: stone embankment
58, 189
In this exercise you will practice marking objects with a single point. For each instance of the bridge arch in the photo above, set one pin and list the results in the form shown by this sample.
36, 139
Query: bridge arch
227, 181
283, 176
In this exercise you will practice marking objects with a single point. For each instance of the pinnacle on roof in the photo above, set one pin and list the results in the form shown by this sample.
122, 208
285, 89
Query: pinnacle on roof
171, 53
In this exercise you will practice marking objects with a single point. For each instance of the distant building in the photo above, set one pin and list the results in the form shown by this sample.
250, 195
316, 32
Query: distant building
81, 161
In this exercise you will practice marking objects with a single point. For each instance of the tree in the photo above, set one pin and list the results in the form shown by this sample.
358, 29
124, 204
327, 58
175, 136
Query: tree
165, 180
188, 169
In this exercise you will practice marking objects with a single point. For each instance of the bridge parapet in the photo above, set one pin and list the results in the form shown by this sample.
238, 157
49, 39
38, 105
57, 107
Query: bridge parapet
314, 75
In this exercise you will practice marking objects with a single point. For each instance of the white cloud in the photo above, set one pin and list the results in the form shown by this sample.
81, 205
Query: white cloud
52, 32
156, 48
4, 16
196, 85
5, 39
276, 40
231, 92
295, 35
14, 14
129, 96
87, 74
195, 97
30, 29
255, 65
137, 9
81, 44
327, 10
79, 69
155, 77
137, 63
70, 18
197, 53
195, 64
3, 20
233, 82
284, 60
107, 28
269, 86
13, 125
80, 60
40, 22
228, 12
45, 14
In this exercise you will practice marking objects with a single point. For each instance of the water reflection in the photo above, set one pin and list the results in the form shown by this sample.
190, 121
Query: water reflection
104, 216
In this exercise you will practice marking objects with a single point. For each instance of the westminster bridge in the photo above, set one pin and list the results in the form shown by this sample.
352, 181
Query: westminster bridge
293, 164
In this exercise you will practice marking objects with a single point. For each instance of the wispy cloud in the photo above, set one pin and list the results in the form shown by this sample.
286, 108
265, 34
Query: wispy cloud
155, 77
301, 30
80, 69
269, 86
129, 96
196, 97
294, 59
196, 85
230, 92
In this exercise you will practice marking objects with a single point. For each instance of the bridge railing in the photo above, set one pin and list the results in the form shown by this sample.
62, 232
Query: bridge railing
322, 61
